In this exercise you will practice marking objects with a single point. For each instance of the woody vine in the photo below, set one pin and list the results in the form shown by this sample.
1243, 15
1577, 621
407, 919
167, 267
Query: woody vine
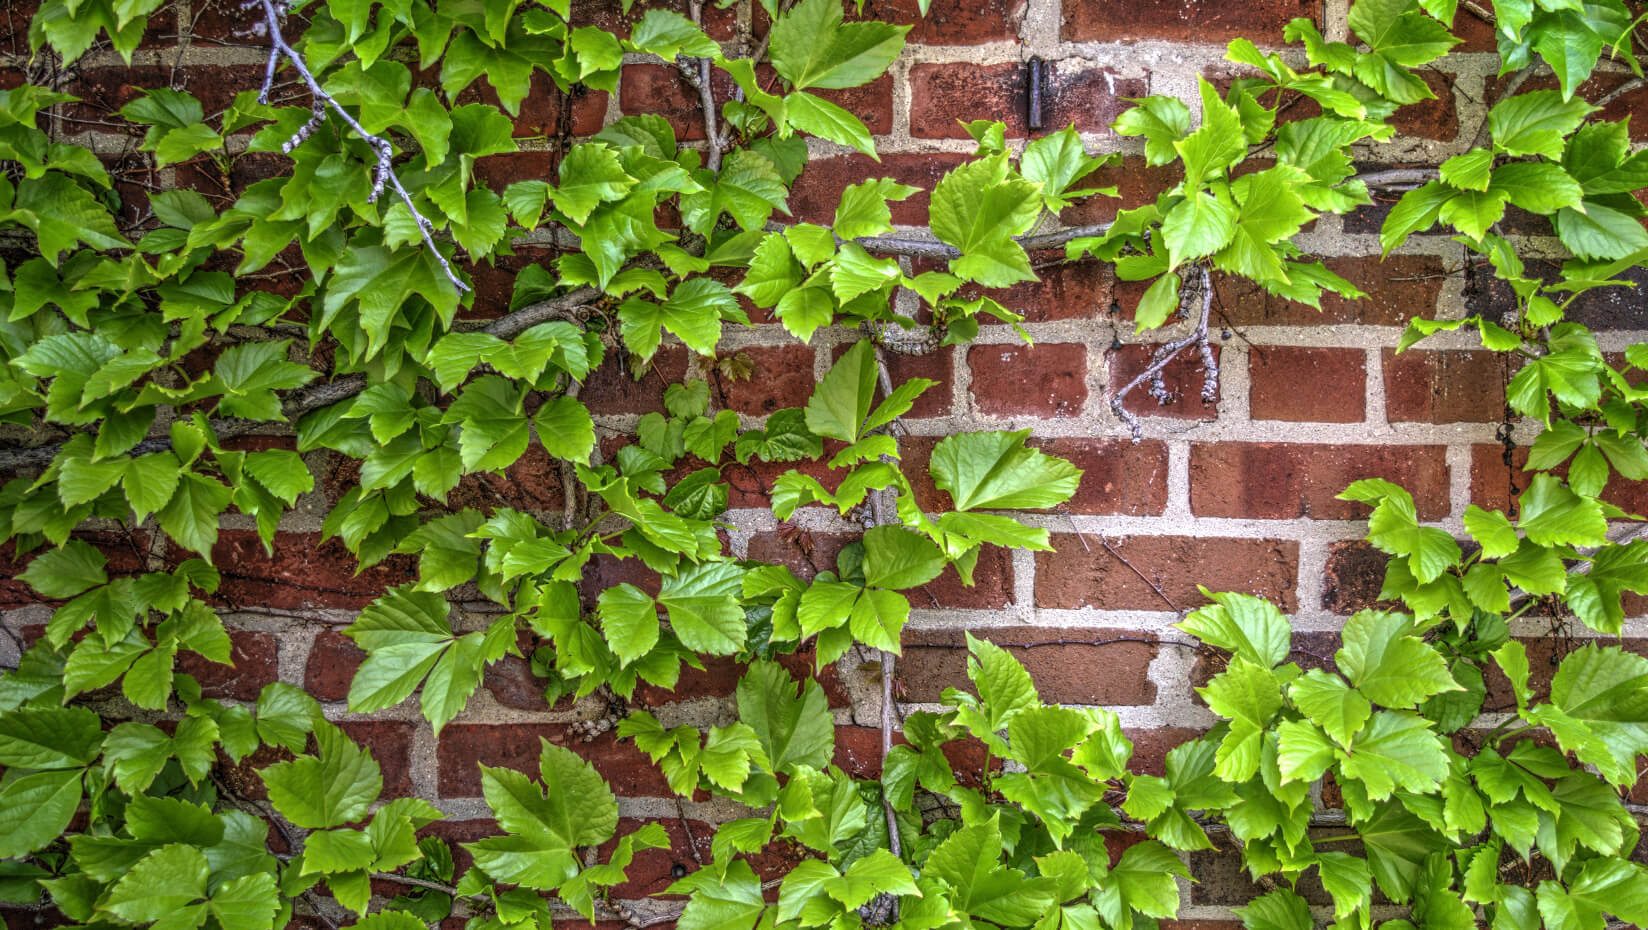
139, 352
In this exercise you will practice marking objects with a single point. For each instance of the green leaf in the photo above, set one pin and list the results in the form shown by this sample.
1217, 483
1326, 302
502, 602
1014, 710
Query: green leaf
1472, 212
1396, 750
66, 570
1387, 663
191, 516
1159, 302
811, 47
62, 213
997, 471
828, 121
702, 605
1247, 626
1535, 123
565, 428
1417, 211
1200, 225
1553, 515
590, 175
895, 557
1469, 171
1492, 530
842, 399
1162, 121
1600, 232
1279, 910
36, 809
793, 730
978, 208
629, 618
1216, 145
163, 887
1536, 186
1330, 703
326, 790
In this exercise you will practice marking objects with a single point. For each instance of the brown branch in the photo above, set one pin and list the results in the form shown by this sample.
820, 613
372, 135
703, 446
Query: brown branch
1165, 354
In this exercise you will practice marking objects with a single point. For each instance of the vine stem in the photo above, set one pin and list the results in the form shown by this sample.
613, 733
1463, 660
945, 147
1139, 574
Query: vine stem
278, 48
1165, 354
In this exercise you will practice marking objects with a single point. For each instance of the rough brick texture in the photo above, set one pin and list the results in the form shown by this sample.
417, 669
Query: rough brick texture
1238, 494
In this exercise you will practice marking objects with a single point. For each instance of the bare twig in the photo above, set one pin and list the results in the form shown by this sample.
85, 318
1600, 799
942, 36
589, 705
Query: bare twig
696, 71
1165, 354
1142, 576
385, 174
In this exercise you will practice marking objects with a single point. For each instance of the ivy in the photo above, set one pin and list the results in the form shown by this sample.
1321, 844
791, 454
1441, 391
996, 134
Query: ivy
140, 351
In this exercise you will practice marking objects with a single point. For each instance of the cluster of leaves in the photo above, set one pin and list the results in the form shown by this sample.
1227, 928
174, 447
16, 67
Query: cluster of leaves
141, 351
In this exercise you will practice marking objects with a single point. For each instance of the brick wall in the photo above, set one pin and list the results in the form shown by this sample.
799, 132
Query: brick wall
1234, 495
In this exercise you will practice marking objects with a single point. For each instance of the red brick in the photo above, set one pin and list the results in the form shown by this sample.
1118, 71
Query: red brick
391, 745
513, 685
1282, 481
462, 747
531, 482
1429, 386
1047, 379
620, 18
1071, 666
1184, 20
613, 388
660, 89
333, 658
1306, 384
303, 572
947, 22
1354, 575
1183, 378
1151, 746
992, 584
253, 657
1399, 289
783, 378
804, 552
650, 872
103, 91
1136, 184
817, 191
944, 96
1078, 290
1118, 476
1437, 118
1496, 481
1082, 572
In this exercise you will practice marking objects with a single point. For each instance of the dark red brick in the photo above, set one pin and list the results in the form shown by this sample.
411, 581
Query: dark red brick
1069, 666
1083, 571
462, 747
1184, 20
303, 572
1047, 379
1283, 481
254, 657
1118, 476
391, 745
1306, 384
783, 378
1399, 289
1429, 386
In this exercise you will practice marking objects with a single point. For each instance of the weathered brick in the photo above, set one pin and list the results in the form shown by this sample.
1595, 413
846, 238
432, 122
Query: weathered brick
1437, 118
253, 657
1183, 378
391, 745
1306, 384
783, 378
1282, 481
944, 96
303, 572
1079, 290
1399, 289
1069, 666
1354, 574
1152, 744
1047, 379
333, 658
1118, 476
1432, 386
660, 89
463, 747
1083, 571
1183, 20
512, 684
531, 482
613, 388
992, 585
1497, 477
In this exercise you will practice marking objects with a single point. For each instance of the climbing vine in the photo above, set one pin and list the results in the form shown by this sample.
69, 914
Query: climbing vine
333, 303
